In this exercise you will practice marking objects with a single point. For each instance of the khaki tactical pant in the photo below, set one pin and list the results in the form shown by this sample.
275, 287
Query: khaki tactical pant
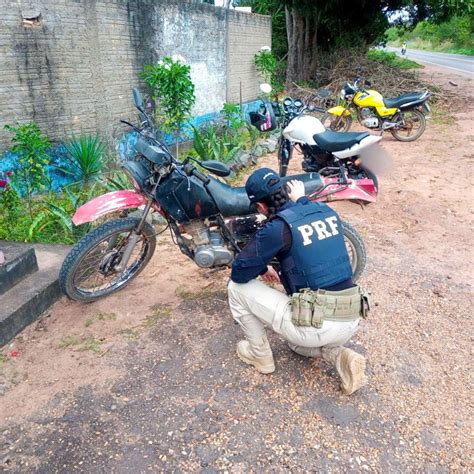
254, 305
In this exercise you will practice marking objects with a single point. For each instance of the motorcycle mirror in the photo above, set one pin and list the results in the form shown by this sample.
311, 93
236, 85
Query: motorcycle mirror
138, 100
367, 83
265, 88
216, 167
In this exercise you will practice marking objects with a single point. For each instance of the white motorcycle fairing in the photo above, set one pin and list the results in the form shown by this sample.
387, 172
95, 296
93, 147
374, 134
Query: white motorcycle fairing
355, 149
303, 128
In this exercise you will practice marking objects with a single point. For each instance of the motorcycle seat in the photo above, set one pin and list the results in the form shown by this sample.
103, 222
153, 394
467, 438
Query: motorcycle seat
229, 200
234, 201
403, 99
338, 141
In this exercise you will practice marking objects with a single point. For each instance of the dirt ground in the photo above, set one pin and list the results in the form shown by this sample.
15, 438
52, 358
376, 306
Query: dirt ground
148, 379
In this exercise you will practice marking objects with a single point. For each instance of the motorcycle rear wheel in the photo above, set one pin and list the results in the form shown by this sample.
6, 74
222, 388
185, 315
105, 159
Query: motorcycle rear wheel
413, 118
335, 123
356, 249
88, 272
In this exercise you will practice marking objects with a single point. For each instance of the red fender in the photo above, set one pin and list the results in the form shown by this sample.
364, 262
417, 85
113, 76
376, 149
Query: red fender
110, 202
357, 189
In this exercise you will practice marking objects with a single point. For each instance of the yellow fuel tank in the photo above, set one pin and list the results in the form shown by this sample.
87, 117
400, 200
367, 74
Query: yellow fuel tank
371, 98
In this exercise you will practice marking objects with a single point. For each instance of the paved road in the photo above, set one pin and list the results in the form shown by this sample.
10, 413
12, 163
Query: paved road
457, 62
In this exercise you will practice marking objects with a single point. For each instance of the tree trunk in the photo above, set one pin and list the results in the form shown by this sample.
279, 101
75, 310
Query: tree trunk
302, 32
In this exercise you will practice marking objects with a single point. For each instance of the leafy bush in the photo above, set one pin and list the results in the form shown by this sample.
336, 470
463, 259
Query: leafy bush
10, 203
171, 85
267, 65
86, 159
233, 116
209, 145
118, 181
31, 146
55, 216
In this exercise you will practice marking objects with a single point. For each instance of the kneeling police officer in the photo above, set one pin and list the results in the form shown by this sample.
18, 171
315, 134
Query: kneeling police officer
324, 307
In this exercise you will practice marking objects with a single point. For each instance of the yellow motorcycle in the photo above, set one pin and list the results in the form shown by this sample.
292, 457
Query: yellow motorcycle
403, 116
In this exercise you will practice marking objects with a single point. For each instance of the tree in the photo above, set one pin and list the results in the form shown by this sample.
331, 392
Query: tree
317, 27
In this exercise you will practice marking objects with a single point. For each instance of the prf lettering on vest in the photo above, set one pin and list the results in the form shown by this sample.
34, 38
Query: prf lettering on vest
321, 228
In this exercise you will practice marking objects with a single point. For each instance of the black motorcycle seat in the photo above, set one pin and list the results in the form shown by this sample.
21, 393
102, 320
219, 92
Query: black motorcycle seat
229, 200
234, 201
399, 101
338, 141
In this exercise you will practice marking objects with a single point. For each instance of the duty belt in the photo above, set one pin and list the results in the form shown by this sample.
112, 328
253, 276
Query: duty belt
313, 307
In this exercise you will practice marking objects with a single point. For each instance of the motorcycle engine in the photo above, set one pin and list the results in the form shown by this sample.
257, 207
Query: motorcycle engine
369, 119
207, 244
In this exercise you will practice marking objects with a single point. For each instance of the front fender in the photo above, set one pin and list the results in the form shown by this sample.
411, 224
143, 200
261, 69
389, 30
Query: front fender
110, 202
338, 111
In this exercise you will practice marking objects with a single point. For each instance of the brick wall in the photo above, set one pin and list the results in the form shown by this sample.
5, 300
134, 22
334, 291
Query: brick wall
247, 33
75, 70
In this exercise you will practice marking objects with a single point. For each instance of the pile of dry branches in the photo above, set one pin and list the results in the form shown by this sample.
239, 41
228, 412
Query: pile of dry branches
388, 80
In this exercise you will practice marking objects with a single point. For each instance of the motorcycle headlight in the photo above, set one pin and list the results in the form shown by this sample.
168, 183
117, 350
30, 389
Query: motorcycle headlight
342, 94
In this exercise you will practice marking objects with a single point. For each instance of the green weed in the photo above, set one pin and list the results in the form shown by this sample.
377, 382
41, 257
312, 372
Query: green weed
440, 116
158, 312
100, 316
130, 333
189, 295
91, 344
68, 341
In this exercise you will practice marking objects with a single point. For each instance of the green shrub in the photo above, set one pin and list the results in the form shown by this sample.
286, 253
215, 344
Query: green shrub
210, 145
171, 85
267, 65
53, 220
391, 59
31, 146
86, 160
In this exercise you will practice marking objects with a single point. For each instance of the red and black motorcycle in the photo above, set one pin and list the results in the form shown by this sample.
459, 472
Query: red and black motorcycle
209, 220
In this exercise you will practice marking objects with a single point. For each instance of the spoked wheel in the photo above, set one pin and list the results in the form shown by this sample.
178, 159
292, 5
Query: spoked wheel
336, 123
356, 249
412, 125
92, 268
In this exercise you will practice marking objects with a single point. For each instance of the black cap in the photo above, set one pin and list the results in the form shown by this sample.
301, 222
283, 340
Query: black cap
262, 183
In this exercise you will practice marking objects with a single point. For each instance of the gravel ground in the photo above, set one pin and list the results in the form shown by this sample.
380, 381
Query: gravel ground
148, 379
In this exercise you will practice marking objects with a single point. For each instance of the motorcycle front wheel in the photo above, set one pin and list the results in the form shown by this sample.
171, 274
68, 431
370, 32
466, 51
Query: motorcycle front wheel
414, 124
336, 123
91, 269
356, 250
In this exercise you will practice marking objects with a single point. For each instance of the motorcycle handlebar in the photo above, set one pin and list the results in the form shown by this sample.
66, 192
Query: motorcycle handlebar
191, 170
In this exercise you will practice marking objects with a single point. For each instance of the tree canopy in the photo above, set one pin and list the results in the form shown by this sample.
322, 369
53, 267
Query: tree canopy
305, 29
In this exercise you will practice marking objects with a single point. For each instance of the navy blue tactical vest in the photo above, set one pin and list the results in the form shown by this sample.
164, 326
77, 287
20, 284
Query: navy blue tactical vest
318, 256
